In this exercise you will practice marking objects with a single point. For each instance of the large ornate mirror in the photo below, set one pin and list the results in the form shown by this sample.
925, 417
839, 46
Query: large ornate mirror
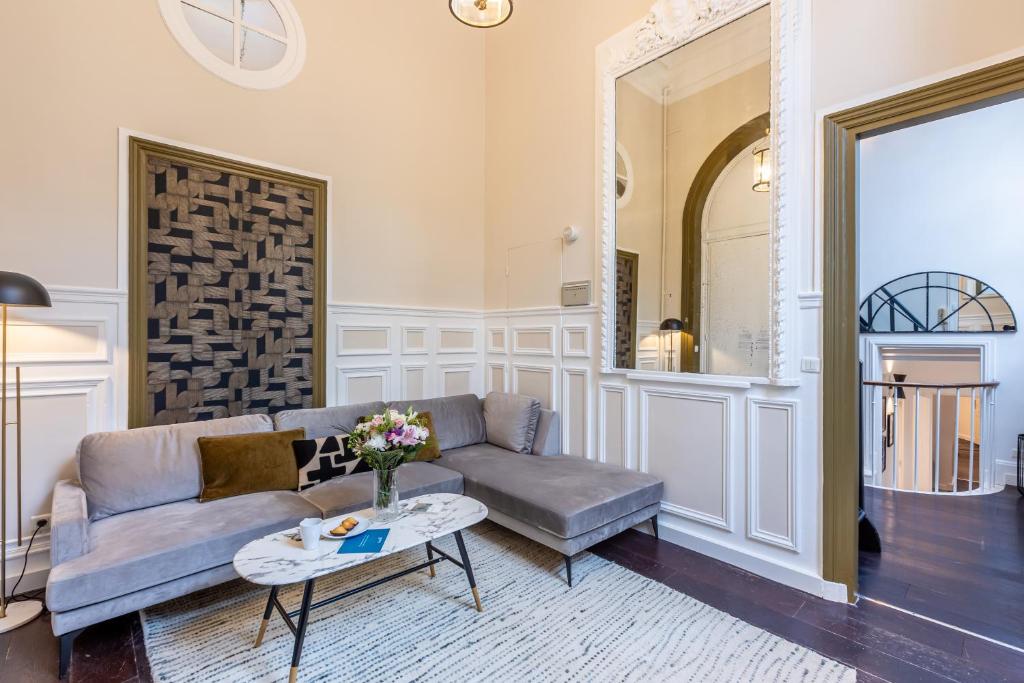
693, 279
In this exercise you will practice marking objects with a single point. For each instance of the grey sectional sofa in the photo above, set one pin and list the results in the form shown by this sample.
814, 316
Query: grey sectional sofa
130, 532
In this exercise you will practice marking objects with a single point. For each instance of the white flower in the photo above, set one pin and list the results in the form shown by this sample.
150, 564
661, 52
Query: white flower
377, 442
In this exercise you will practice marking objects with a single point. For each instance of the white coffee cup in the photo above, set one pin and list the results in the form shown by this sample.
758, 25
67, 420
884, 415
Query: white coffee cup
309, 529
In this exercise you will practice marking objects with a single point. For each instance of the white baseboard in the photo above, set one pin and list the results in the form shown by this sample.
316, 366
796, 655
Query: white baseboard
37, 569
788, 575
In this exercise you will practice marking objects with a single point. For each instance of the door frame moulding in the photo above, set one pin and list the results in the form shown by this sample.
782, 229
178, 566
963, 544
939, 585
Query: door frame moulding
841, 385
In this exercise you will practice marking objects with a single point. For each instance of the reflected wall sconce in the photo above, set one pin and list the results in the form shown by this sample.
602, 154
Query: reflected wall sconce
671, 325
762, 166
481, 13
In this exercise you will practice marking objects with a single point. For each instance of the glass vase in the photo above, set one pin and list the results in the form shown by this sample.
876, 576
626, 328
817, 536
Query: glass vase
385, 495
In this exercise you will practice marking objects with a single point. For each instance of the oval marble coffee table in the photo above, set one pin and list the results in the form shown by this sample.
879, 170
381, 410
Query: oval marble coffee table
280, 560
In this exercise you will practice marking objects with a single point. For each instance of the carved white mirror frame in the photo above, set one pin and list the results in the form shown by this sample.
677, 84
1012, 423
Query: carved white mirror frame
669, 25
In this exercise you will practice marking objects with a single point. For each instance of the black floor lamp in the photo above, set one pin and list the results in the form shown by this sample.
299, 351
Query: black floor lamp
15, 290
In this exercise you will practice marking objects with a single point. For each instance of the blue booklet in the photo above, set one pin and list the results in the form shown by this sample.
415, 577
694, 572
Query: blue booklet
370, 542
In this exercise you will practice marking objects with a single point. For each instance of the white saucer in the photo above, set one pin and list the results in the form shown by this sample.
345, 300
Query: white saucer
325, 530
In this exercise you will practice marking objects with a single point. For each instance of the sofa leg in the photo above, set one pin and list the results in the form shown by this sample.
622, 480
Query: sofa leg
568, 569
654, 525
67, 642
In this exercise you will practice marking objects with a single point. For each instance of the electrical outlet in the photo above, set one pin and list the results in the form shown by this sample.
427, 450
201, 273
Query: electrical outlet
36, 519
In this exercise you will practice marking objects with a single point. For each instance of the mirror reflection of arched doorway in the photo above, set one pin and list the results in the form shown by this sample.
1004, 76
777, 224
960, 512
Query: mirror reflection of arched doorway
725, 235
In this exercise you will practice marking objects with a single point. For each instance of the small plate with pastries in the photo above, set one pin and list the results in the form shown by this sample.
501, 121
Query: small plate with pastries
347, 526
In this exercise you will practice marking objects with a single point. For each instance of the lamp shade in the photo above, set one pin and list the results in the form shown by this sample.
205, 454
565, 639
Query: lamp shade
674, 324
21, 290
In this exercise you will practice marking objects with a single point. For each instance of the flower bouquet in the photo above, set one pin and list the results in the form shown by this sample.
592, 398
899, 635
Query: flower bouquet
384, 442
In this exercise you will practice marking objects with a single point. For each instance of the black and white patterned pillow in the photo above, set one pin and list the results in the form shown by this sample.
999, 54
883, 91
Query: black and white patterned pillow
322, 459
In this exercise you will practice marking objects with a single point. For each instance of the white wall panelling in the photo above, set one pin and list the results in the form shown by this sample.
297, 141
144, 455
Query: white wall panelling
414, 381
497, 340
576, 341
771, 471
685, 439
363, 384
576, 412
456, 339
415, 359
414, 340
614, 445
537, 381
364, 340
457, 378
534, 341
497, 376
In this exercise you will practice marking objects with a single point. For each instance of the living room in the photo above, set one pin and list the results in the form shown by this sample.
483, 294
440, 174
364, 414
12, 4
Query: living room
244, 209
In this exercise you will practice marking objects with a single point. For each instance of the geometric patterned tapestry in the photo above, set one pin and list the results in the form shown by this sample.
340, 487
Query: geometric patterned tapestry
231, 284
627, 266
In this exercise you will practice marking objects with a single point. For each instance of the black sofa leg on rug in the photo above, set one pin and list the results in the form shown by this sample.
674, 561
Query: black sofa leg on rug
568, 569
654, 525
67, 642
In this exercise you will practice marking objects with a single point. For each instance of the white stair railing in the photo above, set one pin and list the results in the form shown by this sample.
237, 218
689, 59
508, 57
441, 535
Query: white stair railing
898, 409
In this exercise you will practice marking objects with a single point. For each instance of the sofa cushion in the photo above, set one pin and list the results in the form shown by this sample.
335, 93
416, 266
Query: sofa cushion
237, 464
144, 548
354, 492
140, 468
321, 422
459, 420
320, 460
511, 420
563, 495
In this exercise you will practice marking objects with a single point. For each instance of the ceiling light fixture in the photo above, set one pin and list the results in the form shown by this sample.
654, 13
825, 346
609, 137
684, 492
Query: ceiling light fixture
481, 13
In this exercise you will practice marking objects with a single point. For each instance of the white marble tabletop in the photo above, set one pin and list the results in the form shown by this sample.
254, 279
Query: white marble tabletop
277, 560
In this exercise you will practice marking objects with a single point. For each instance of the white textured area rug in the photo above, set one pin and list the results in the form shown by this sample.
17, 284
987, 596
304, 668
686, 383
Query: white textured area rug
613, 625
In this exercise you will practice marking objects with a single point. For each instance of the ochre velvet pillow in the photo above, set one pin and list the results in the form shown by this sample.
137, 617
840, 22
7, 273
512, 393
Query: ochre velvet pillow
248, 463
432, 449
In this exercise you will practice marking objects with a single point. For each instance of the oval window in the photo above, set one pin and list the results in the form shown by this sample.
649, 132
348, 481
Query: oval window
252, 43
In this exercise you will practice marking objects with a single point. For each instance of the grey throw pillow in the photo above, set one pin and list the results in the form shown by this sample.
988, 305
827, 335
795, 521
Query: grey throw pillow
511, 420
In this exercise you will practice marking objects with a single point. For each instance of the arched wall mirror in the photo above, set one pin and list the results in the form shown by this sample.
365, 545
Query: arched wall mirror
936, 301
697, 225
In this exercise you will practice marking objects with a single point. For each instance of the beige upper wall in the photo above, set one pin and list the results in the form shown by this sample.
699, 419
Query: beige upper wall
540, 133
390, 103
864, 47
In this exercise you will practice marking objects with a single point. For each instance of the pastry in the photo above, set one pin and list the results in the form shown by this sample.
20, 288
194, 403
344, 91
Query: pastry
340, 530
350, 522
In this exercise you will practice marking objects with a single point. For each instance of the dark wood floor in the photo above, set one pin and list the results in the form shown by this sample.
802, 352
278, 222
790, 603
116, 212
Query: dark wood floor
958, 559
883, 644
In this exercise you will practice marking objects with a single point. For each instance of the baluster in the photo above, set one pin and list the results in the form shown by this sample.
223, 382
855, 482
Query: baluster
896, 438
936, 447
956, 439
917, 429
970, 460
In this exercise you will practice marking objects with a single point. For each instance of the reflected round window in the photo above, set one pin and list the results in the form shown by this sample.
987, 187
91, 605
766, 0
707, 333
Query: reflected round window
252, 43
623, 176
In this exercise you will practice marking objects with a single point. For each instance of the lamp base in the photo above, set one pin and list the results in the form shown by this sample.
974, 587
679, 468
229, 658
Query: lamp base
20, 613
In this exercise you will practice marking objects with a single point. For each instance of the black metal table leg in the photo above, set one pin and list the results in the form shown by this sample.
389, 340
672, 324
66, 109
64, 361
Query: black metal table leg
430, 557
266, 616
300, 630
469, 569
